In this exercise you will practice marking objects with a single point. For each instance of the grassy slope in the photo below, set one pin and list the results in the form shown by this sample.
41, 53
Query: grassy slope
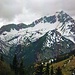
5, 69
66, 70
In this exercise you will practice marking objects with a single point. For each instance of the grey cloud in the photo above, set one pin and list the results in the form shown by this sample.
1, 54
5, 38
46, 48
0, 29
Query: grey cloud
29, 10
44, 7
10, 8
68, 6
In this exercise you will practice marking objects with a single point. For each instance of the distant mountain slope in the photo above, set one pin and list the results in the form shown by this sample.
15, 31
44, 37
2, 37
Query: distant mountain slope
51, 45
4, 47
60, 21
44, 38
12, 26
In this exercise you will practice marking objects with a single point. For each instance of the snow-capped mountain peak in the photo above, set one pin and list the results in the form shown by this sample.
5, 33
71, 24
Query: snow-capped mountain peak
60, 20
66, 25
45, 38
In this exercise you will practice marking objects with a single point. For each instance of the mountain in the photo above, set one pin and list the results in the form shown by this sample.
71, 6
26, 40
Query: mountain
51, 45
4, 47
66, 26
60, 21
12, 26
45, 38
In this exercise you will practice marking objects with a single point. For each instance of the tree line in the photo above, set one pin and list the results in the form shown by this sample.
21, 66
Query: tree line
42, 69
39, 68
17, 66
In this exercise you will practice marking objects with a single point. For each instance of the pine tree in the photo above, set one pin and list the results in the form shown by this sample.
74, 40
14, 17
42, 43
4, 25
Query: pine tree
21, 69
47, 69
15, 65
59, 71
52, 71
2, 59
39, 69
36, 67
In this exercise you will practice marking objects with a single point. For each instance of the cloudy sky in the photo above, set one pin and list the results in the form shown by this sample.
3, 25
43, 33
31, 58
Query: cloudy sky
17, 11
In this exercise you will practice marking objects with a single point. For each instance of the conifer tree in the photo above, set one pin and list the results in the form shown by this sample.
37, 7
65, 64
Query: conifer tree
21, 69
47, 69
15, 65
52, 71
2, 59
39, 69
59, 71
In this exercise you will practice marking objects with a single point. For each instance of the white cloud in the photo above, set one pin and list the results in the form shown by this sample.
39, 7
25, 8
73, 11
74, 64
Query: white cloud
10, 8
28, 10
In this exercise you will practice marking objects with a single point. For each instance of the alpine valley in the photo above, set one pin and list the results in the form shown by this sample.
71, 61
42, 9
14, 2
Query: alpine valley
43, 39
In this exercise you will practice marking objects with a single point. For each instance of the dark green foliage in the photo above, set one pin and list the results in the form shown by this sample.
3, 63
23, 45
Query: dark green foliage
18, 67
58, 71
5, 69
52, 71
47, 69
2, 59
15, 65
39, 70
21, 68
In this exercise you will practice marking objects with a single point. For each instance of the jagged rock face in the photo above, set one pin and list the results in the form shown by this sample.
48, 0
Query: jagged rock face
12, 26
51, 45
66, 26
4, 47
44, 38
60, 21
